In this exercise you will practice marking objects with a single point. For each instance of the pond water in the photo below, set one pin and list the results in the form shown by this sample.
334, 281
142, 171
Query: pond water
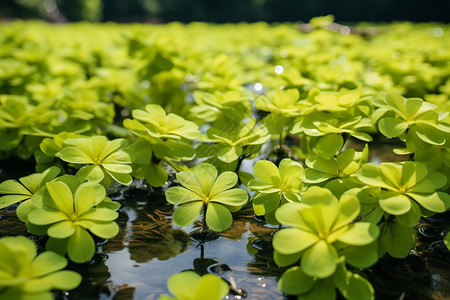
149, 249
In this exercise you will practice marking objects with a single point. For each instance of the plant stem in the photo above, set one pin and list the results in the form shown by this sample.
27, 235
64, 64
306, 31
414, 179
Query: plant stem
204, 226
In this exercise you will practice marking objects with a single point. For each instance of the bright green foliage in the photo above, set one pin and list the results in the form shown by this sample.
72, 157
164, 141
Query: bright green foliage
319, 124
325, 146
397, 235
417, 122
16, 191
220, 107
145, 165
188, 285
321, 232
284, 107
68, 209
169, 135
399, 194
233, 141
396, 238
23, 275
203, 189
351, 285
45, 156
24, 189
343, 113
336, 171
275, 186
407, 188
103, 159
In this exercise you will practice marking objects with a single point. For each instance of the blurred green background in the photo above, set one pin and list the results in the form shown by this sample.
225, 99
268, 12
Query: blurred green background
220, 11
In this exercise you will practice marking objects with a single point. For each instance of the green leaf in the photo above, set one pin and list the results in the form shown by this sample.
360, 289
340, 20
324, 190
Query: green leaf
394, 203
156, 175
62, 230
180, 283
359, 234
284, 260
189, 180
46, 263
392, 127
211, 287
7, 200
361, 256
398, 240
358, 288
64, 280
179, 195
225, 181
320, 260
265, 202
80, 246
314, 176
74, 155
293, 240
290, 214
370, 174
99, 214
267, 172
85, 198
329, 145
117, 168
13, 187
233, 197
121, 178
206, 175
218, 217
326, 166
187, 213
61, 197
43, 217
92, 173
295, 282
102, 229
429, 134
349, 208
437, 202
412, 217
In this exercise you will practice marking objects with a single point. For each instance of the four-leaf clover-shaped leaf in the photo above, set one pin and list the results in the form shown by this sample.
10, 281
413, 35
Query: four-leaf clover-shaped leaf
202, 189
103, 159
69, 210
320, 226
27, 276
275, 186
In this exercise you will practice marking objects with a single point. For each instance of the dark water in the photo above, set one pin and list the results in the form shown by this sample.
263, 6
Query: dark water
149, 249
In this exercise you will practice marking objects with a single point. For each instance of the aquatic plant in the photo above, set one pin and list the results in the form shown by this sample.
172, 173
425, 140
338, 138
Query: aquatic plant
351, 285
27, 276
14, 191
322, 231
104, 160
413, 120
398, 195
188, 285
203, 191
68, 209
233, 141
168, 134
275, 186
